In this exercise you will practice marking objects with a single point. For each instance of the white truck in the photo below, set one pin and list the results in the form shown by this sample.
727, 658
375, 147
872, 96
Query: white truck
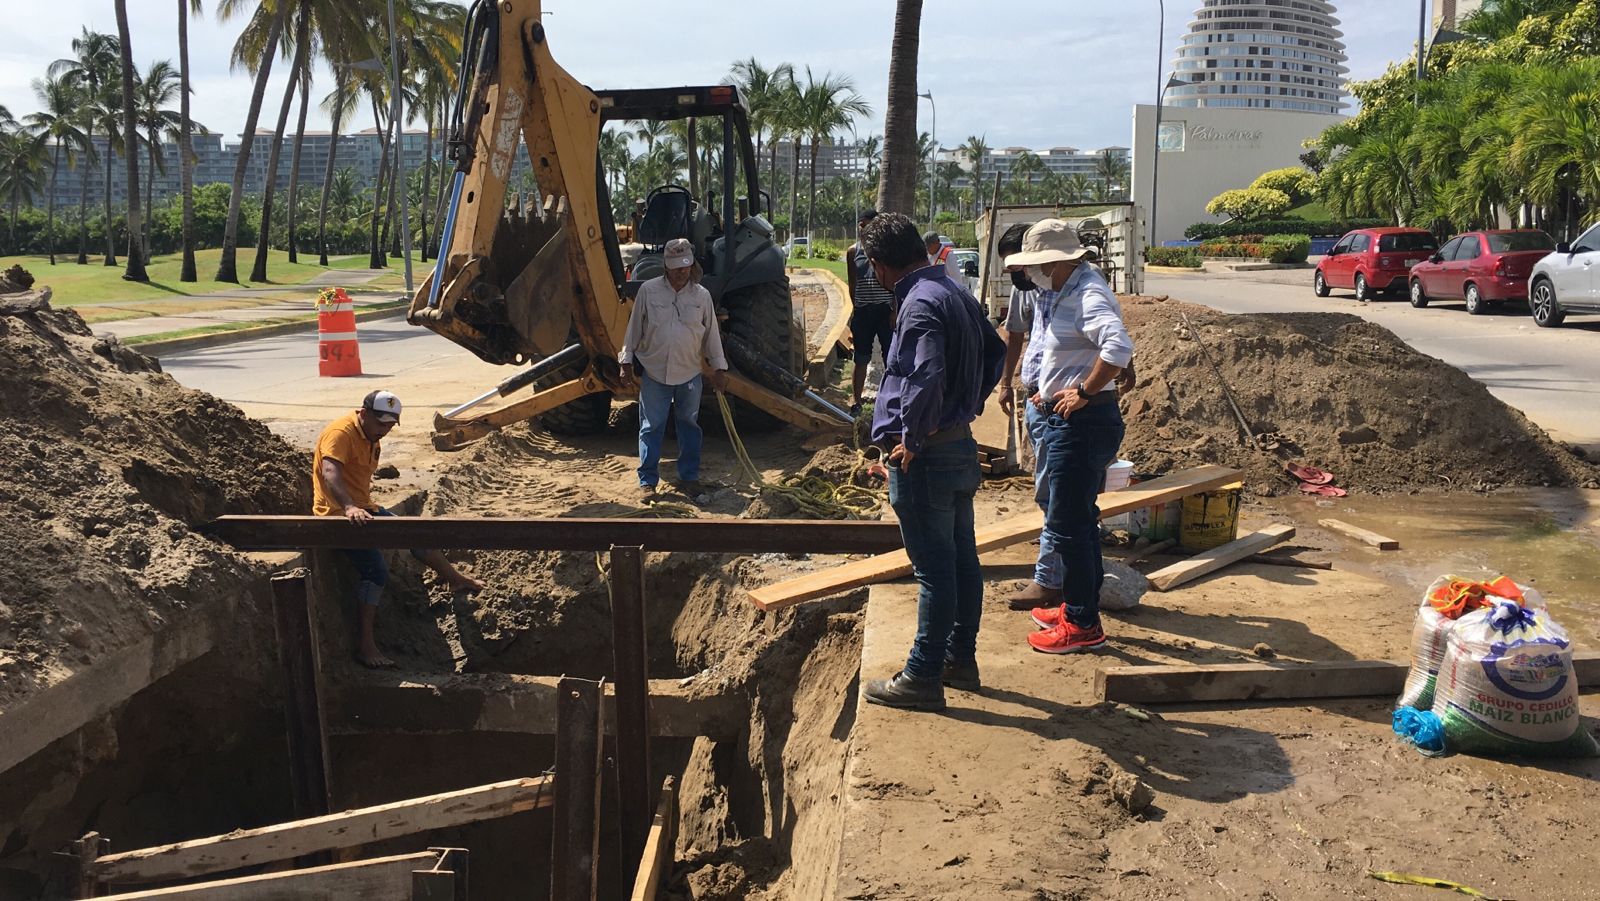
1118, 225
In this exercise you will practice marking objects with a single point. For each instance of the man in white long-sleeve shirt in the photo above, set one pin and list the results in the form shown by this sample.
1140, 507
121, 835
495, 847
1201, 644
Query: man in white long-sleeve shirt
672, 334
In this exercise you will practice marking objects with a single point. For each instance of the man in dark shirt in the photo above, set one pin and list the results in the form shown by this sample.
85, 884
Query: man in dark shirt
945, 359
871, 313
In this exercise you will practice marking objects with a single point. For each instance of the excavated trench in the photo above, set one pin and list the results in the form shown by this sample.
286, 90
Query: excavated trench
202, 752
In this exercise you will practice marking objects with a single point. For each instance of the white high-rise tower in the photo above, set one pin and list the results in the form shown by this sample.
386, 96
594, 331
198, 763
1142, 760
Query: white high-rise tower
1262, 54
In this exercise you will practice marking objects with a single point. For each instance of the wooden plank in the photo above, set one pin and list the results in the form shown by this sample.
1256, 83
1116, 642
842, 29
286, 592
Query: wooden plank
307, 731
378, 879
85, 852
1210, 561
1381, 542
1275, 681
347, 829
630, 674
575, 842
719, 536
1017, 529
656, 861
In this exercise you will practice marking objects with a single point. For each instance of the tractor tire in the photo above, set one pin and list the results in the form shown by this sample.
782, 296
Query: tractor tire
762, 316
587, 415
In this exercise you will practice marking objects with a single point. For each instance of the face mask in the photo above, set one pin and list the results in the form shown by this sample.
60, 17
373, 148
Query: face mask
1036, 274
1021, 282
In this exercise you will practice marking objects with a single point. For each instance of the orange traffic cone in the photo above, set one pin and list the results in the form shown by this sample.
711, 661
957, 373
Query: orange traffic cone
338, 352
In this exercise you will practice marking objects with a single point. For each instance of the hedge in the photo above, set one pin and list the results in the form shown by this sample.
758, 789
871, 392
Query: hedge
1273, 248
1206, 231
1182, 257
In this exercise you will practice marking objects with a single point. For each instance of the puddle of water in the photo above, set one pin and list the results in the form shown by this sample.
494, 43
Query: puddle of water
1546, 538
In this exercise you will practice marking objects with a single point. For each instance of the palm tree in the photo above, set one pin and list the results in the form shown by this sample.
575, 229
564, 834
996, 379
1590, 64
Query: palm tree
1076, 187
227, 265
1112, 171
1023, 169
614, 158
22, 159
92, 66
764, 91
649, 131
1556, 120
375, 95
58, 123
339, 103
897, 181
156, 90
976, 149
186, 272
827, 104
107, 112
130, 137
301, 39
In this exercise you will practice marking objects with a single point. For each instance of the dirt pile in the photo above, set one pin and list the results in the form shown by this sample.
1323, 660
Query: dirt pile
109, 466
1329, 390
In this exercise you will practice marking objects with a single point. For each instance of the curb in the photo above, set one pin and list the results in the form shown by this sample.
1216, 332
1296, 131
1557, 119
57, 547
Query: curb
215, 339
1175, 270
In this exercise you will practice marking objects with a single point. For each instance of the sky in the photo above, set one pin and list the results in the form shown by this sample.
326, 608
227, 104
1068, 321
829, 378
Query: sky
1034, 73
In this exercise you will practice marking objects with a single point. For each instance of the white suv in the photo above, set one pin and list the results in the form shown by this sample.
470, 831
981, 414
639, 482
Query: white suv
1567, 281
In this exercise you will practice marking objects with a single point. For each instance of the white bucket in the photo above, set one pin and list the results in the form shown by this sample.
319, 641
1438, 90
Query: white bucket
1118, 476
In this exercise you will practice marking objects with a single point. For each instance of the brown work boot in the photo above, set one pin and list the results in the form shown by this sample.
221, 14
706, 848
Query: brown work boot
1036, 595
647, 493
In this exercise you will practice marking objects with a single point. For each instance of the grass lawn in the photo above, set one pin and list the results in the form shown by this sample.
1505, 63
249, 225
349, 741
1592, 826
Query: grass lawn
73, 285
1311, 209
834, 266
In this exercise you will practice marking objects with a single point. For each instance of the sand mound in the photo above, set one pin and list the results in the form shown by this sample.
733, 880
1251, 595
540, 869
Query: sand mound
109, 465
1329, 390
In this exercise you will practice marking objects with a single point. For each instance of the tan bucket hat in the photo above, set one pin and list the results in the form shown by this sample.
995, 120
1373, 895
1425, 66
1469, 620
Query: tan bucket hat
1049, 241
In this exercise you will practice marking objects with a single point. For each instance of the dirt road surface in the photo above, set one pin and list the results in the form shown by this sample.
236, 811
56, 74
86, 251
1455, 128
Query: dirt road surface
1549, 374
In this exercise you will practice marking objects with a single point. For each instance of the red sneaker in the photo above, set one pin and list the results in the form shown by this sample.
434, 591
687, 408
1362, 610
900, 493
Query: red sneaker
1050, 617
1066, 638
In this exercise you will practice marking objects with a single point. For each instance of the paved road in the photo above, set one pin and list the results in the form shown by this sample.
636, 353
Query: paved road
1552, 375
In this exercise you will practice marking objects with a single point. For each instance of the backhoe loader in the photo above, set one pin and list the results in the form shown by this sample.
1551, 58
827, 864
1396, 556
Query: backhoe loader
547, 286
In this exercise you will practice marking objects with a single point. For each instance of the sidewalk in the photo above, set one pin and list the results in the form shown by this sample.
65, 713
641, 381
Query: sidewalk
293, 304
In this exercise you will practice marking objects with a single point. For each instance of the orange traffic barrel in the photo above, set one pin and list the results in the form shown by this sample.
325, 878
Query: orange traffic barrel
338, 352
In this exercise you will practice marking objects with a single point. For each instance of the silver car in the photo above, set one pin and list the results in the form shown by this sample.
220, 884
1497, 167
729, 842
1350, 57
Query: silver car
1567, 281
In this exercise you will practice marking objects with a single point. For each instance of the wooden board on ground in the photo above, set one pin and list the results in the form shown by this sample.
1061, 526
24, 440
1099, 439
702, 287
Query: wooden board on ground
656, 862
1381, 542
380, 877
347, 829
1210, 561
1274, 682
1017, 529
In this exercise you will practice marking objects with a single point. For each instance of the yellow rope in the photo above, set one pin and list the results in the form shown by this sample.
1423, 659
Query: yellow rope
813, 494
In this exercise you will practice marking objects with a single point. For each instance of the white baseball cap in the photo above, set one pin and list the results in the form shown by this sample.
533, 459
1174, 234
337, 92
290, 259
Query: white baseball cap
383, 405
678, 254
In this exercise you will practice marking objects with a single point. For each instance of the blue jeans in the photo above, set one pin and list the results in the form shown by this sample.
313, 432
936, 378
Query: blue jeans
1072, 457
654, 400
933, 500
372, 573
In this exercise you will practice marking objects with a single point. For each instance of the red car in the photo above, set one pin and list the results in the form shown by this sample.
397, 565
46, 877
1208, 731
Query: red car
1372, 260
1484, 267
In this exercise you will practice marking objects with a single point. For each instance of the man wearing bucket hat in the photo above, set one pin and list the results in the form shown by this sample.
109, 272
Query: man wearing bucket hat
1076, 426
341, 480
945, 359
672, 334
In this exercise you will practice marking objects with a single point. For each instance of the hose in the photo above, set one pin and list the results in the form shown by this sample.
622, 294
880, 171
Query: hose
812, 494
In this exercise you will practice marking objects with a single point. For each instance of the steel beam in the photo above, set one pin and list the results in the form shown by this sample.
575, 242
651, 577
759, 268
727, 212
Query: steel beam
575, 852
715, 536
630, 672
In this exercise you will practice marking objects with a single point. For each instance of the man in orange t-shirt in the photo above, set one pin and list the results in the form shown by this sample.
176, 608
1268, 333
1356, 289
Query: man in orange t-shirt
341, 475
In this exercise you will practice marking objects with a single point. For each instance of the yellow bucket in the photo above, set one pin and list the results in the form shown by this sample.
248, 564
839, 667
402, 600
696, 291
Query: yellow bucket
1211, 519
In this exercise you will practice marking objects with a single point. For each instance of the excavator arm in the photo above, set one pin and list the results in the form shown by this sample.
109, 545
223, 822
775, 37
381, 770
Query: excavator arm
542, 285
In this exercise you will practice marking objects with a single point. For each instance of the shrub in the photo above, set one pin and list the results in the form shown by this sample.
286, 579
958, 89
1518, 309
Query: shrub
1182, 257
1294, 181
1287, 248
825, 249
1205, 231
1273, 248
1249, 204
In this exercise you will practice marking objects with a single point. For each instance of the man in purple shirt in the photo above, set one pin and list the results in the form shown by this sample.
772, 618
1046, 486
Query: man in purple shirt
944, 360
